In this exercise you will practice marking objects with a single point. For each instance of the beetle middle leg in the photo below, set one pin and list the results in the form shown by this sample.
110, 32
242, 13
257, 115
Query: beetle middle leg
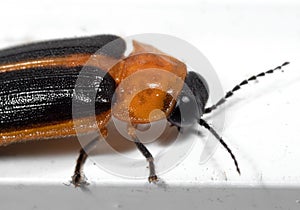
143, 149
78, 179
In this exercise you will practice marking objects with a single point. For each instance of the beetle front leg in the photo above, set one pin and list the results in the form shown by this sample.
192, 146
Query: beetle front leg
143, 149
152, 176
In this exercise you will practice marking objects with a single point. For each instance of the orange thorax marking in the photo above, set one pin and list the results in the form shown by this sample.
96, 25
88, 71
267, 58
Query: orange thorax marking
147, 82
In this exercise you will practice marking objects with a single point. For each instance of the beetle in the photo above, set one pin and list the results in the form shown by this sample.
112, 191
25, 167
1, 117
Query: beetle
37, 90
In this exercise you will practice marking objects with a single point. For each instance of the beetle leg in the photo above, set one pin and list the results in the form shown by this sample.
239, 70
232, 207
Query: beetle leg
143, 149
152, 176
78, 179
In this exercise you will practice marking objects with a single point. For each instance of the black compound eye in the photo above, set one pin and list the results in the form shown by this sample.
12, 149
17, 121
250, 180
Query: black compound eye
191, 101
186, 110
185, 100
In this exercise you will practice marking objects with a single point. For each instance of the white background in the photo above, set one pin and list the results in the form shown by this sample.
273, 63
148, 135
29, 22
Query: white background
239, 38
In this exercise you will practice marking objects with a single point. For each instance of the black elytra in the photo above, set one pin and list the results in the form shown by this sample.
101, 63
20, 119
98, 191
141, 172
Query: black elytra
48, 94
45, 94
109, 45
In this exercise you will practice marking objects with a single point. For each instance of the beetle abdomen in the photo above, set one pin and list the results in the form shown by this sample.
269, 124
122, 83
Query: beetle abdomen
42, 96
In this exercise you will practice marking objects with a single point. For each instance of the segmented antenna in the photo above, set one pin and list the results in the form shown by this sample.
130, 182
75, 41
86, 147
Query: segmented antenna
207, 126
237, 87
